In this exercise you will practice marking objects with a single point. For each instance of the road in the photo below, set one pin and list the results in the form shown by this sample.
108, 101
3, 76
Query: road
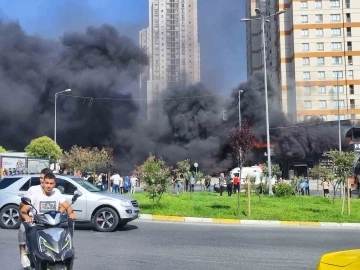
156, 245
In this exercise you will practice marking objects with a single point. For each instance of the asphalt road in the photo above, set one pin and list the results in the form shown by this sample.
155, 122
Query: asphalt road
157, 245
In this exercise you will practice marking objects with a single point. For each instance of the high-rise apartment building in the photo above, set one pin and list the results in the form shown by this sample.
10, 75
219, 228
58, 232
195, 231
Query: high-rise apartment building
313, 55
171, 42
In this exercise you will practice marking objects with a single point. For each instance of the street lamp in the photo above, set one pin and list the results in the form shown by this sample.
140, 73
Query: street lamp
56, 95
263, 20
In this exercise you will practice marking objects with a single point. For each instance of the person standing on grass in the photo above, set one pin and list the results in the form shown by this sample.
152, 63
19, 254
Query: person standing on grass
133, 181
307, 188
229, 184
207, 183
325, 186
236, 183
222, 183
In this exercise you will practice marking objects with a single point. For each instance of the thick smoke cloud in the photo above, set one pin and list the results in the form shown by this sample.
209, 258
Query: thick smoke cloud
101, 63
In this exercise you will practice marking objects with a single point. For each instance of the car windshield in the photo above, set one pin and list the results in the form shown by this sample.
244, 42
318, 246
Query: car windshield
85, 184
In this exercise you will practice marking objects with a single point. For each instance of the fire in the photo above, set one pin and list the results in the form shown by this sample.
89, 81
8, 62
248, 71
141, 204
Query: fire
263, 145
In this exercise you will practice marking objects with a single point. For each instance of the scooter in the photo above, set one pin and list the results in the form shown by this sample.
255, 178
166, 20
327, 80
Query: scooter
49, 239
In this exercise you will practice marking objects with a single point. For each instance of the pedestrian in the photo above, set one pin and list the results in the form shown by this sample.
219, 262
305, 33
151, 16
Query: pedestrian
207, 183
178, 185
307, 187
104, 182
222, 183
325, 186
121, 185
133, 181
229, 185
236, 183
192, 183
115, 179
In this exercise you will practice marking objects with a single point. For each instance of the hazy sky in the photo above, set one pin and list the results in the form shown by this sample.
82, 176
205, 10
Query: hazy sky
221, 34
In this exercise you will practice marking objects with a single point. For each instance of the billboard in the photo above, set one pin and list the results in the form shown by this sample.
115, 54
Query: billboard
13, 165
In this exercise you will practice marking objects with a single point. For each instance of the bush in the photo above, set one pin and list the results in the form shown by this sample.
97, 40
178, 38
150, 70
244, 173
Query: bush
283, 189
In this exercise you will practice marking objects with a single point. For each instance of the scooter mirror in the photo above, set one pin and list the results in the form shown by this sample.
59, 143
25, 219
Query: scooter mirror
26, 201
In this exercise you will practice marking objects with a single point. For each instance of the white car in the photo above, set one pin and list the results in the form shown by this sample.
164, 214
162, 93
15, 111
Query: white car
107, 211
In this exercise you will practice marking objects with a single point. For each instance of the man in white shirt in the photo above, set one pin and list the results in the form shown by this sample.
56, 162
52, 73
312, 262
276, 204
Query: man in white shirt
43, 200
115, 179
133, 181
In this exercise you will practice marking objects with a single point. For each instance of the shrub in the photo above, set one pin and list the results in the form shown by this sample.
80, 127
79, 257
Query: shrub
283, 189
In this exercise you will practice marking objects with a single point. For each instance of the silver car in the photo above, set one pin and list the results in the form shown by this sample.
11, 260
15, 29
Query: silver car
107, 211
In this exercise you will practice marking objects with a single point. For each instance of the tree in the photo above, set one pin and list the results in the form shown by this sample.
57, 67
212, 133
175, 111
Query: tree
155, 175
241, 141
183, 167
92, 159
2, 149
44, 147
343, 167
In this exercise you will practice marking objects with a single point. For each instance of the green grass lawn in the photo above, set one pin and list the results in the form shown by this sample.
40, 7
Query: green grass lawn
211, 205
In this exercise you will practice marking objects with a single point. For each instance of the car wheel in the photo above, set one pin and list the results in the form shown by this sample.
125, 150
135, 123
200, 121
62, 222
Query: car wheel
10, 217
106, 220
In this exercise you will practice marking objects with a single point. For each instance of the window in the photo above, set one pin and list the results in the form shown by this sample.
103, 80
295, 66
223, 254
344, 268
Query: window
319, 32
318, 3
350, 60
339, 88
304, 32
339, 104
337, 74
348, 17
319, 18
33, 181
320, 46
351, 89
353, 116
336, 32
321, 61
307, 90
323, 117
335, 3
306, 61
321, 75
7, 181
304, 4
348, 31
337, 60
347, 3
342, 117
352, 103
335, 17
307, 104
322, 89
304, 18
65, 186
305, 46
322, 104
336, 46
351, 75
306, 75
349, 46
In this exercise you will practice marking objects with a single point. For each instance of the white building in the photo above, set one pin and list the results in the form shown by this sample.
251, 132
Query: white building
313, 51
171, 42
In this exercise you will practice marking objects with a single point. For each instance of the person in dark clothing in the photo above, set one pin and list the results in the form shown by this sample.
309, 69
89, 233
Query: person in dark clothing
229, 185
104, 182
222, 183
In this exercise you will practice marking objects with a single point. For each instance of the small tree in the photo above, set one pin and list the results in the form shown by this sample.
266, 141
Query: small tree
2, 149
93, 159
241, 140
343, 166
156, 176
44, 147
183, 167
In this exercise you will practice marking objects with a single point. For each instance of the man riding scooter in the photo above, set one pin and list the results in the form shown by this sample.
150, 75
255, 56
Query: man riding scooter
43, 200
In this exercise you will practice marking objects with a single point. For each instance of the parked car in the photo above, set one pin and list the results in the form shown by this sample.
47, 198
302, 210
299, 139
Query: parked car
105, 210
346, 260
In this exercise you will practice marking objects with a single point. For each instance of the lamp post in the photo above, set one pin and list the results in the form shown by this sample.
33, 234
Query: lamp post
263, 20
338, 97
56, 95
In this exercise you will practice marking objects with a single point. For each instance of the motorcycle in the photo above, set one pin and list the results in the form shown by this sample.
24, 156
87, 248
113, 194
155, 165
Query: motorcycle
49, 239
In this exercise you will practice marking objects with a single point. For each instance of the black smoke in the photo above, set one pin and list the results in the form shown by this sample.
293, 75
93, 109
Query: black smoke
104, 66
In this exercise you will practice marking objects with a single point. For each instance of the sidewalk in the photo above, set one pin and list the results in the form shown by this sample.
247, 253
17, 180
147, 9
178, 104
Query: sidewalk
276, 223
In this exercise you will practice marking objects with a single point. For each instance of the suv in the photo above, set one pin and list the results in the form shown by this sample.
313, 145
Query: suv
105, 210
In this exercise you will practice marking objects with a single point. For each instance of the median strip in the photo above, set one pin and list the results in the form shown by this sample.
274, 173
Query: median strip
246, 221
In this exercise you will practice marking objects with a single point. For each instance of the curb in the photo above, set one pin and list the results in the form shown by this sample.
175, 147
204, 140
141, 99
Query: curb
247, 222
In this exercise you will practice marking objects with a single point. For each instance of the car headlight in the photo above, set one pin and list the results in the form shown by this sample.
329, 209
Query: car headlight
125, 203
44, 246
67, 245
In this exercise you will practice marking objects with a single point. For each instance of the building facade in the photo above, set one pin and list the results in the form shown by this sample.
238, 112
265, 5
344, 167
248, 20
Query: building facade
313, 52
171, 42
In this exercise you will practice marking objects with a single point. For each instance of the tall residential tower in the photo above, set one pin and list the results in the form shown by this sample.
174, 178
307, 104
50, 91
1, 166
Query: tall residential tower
171, 42
313, 55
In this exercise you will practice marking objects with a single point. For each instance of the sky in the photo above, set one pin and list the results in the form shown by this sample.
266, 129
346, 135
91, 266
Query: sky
221, 33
